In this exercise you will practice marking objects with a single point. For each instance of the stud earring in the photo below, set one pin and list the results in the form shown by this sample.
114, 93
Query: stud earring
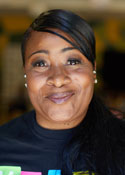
24, 75
96, 81
25, 85
94, 72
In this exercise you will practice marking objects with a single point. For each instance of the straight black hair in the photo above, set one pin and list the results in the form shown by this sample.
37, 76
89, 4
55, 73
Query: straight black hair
98, 144
76, 27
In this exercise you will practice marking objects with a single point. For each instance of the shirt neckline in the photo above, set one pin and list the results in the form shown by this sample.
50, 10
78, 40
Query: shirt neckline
50, 133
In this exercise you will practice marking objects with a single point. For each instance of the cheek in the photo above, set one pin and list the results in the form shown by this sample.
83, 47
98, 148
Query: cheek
35, 83
85, 86
86, 89
83, 79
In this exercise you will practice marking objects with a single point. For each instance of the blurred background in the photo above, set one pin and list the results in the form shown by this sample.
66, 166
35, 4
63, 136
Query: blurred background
107, 17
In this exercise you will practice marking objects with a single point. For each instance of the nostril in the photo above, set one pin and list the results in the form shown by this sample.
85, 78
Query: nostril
67, 80
58, 81
50, 81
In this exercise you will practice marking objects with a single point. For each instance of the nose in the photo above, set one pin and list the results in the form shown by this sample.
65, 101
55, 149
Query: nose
58, 77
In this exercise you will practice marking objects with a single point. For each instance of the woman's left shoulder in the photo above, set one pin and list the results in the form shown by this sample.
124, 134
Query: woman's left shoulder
116, 130
117, 125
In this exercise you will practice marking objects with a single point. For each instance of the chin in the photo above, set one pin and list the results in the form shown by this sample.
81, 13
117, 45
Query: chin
60, 116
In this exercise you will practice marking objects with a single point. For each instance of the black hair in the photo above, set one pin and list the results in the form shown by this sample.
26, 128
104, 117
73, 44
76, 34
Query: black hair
98, 144
76, 27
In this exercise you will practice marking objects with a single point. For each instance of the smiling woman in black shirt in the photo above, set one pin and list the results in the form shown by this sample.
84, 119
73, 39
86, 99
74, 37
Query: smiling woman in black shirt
70, 131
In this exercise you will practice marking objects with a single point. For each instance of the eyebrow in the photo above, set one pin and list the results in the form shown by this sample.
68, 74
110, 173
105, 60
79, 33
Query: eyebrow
67, 49
47, 52
39, 51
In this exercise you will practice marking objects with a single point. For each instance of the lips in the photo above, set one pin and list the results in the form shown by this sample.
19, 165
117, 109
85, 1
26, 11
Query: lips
60, 98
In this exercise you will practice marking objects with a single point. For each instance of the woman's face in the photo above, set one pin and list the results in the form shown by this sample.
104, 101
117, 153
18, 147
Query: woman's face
60, 80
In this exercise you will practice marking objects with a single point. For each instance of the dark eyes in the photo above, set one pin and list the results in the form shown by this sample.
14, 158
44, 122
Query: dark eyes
70, 62
74, 61
40, 63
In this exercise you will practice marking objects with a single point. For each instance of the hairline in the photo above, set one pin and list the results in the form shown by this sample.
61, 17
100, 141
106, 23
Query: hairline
30, 30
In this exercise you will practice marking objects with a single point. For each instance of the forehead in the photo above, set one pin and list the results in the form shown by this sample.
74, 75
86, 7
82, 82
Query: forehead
52, 33
45, 40
51, 44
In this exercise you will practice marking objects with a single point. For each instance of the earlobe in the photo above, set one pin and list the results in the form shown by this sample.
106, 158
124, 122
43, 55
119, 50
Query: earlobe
94, 72
95, 65
25, 83
95, 79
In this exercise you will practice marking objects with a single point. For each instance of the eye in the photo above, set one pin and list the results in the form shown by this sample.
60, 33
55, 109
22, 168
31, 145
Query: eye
40, 63
74, 61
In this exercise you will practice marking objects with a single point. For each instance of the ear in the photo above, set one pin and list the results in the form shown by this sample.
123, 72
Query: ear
24, 69
94, 70
95, 66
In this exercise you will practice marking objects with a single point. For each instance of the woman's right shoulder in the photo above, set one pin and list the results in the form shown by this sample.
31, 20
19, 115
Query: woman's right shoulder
16, 125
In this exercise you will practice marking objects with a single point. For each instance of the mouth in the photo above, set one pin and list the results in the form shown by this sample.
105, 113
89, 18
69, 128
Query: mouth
59, 98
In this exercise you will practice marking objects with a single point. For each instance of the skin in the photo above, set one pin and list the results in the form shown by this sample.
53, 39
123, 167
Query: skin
60, 80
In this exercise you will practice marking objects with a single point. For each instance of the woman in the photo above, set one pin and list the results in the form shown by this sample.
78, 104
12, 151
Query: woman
70, 131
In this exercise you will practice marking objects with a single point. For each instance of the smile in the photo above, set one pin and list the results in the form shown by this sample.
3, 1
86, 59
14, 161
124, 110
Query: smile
60, 98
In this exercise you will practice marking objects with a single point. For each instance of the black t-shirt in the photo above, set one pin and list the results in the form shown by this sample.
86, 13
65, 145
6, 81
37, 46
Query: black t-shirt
25, 144
38, 151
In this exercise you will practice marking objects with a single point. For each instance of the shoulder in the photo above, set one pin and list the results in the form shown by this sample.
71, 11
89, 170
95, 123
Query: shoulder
16, 125
116, 127
113, 130
115, 136
110, 135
